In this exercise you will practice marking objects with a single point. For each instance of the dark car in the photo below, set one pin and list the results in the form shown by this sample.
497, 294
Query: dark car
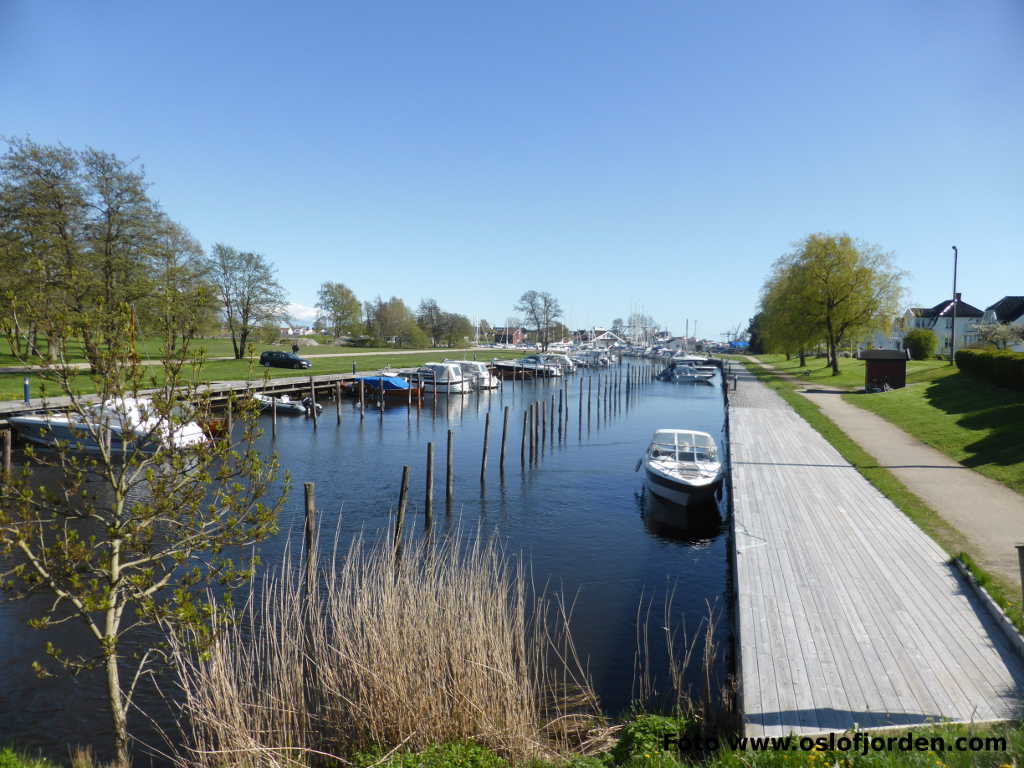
284, 360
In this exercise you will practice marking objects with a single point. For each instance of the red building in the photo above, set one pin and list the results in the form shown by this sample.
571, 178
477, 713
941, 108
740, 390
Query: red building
508, 335
884, 367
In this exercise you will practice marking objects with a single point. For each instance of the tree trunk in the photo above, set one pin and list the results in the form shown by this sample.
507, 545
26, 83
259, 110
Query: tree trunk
833, 353
803, 358
119, 718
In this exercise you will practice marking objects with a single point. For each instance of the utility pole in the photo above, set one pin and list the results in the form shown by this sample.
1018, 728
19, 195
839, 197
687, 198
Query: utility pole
952, 335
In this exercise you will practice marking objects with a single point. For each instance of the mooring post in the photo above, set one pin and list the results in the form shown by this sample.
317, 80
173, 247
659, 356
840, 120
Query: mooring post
551, 426
504, 435
26, 390
449, 480
312, 401
543, 425
428, 504
362, 399
561, 413
310, 536
403, 499
487, 436
337, 399
522, 442
1020, 566
7, 438
590, 385
273, 417
229, 424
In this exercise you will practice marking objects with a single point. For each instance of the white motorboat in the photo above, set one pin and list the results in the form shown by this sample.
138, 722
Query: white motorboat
537, 364
131, 423
682, 466
442, 378
478, 373
680, 372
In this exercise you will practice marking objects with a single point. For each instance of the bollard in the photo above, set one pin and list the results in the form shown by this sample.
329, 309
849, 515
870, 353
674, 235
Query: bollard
310, 535
450, 472
487, 435
403, 499
26, 389
428, 504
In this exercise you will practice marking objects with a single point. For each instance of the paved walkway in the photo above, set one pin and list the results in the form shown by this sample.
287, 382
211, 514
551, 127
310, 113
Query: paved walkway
848, 613
987, 513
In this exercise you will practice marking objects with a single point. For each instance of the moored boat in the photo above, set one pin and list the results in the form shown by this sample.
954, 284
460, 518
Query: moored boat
478, 373
127, 424
682, 466
285, 404
441, 378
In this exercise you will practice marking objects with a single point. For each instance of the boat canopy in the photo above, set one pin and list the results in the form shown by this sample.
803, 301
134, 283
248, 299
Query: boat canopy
387, 383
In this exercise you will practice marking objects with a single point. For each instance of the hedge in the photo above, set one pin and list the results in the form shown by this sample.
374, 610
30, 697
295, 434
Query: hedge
1004, 369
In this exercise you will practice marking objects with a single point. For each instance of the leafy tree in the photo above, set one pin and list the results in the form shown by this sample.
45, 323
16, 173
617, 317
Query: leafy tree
541, 310
84, 234
921, 343
431, 319
485, 330
786, 325
390, 319
843, 289
455, 328
136, 528
248, 292
999, 335
754, 334
339, 308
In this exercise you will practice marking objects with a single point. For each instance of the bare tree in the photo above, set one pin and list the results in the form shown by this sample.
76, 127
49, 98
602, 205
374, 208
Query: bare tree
248, 291
541, 310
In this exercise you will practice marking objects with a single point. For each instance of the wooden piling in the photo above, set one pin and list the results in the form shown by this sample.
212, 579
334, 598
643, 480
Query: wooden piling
362, 399
337, 399
403, 500
310, 535
504, 435
487, 436
7, 438
561, 413
543, 425
231, 397
522, 442
551, 426
533, 431
449, 478
312, 400
428, 504
273, 417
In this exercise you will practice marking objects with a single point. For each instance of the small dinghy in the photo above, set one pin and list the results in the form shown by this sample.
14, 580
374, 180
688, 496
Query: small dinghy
682, 466
286, 405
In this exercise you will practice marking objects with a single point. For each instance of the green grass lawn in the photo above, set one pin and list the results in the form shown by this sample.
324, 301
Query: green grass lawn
235, 370
851, 371
149, 349
973, 422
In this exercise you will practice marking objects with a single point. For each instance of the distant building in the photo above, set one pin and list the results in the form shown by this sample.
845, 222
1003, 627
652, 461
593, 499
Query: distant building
508, 335
1009, 310
939, 319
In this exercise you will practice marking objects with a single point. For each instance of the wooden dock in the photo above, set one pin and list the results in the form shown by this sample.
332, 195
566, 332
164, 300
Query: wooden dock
847, 612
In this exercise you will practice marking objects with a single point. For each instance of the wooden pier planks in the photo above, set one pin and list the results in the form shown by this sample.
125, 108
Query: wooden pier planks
848, 613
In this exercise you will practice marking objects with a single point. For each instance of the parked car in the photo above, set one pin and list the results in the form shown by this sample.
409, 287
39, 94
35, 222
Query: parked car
278, 359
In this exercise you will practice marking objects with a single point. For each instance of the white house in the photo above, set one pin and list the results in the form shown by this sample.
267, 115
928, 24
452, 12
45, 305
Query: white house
1009, 310
939, 319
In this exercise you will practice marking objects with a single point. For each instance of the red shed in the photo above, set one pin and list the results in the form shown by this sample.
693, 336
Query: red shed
884, 366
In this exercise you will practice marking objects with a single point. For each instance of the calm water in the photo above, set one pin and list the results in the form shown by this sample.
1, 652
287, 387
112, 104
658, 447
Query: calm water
579, 517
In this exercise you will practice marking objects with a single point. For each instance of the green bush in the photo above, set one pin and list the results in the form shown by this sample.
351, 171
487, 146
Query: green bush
462, 754
644, 738
11, 759
921, 343
1004, 369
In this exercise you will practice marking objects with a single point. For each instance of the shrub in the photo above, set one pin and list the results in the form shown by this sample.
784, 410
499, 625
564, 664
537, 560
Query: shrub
1004, 369
644, 737
921, 343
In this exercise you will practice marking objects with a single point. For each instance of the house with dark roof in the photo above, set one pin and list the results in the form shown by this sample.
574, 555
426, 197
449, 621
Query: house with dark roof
1009, 310
939, 320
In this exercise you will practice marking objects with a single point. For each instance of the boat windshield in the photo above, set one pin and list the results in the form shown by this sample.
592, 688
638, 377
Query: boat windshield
686, 448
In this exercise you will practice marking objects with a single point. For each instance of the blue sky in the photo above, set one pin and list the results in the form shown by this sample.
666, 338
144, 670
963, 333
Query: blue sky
623, 156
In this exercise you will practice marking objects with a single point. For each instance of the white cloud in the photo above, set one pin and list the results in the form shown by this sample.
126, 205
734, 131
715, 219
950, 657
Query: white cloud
301, 313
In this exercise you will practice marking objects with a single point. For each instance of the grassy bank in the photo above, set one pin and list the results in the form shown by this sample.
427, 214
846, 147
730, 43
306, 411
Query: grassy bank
851, 371
968, 419
241, 370
150, 349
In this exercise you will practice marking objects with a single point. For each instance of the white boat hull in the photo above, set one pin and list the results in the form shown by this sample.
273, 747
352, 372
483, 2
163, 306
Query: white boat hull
680, 493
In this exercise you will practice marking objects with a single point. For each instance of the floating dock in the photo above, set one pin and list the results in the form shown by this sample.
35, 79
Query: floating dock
847, 613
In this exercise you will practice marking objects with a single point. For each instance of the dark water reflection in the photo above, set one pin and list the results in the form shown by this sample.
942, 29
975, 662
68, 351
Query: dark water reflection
579, 518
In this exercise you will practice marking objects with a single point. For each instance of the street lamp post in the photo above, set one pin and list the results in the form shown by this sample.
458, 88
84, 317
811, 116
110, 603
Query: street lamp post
952, 336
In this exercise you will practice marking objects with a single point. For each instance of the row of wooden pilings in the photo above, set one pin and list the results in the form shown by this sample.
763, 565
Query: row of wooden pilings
544, 421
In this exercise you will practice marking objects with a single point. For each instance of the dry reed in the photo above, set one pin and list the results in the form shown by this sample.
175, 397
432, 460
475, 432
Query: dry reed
440, 643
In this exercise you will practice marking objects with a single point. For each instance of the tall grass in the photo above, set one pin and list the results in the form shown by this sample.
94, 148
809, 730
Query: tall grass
440, 643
